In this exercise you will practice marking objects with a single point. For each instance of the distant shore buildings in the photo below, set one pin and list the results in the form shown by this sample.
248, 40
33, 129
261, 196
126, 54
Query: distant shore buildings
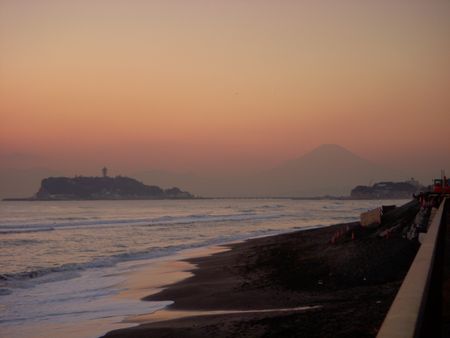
386, 190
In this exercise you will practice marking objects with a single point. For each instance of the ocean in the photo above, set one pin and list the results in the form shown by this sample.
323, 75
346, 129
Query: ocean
64, 264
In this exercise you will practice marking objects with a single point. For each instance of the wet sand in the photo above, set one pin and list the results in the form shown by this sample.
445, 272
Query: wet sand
291, 285
155, 275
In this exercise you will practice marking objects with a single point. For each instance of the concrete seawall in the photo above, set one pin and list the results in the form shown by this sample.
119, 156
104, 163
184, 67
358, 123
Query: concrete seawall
417, 308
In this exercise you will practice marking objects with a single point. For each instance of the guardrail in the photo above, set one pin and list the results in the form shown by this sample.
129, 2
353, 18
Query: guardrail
407, 317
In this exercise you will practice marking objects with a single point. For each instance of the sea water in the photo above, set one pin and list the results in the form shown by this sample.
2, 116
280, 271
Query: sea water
63, 263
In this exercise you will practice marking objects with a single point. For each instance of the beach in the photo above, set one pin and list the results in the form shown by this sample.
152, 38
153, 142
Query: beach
334, 281
81, 268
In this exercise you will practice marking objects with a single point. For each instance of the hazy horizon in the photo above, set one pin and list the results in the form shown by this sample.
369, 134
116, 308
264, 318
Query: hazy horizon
326, 170
222, 88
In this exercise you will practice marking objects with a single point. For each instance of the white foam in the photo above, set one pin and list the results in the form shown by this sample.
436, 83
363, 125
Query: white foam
64, 265
82, 301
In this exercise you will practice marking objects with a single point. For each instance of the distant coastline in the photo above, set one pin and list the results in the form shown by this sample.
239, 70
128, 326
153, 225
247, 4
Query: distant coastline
82, 188
387, 190
313, 198
95, 188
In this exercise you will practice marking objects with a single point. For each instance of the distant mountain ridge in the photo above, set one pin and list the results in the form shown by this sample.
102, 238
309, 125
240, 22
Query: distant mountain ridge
326, 170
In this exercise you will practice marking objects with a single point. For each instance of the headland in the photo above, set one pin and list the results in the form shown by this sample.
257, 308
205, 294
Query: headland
101, 188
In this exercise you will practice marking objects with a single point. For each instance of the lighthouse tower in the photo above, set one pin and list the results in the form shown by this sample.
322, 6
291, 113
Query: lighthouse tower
105, 172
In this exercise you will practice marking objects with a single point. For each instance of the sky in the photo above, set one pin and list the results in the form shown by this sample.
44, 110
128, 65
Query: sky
227, 86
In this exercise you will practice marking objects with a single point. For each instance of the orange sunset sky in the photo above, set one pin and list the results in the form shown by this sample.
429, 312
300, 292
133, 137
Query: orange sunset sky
222, 85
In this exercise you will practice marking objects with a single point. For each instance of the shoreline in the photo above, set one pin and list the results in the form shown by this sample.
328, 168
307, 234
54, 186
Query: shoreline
156, 274
291, 284
308, 198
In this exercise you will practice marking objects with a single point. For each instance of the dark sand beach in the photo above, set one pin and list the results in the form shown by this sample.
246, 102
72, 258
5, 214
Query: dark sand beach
297, 284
